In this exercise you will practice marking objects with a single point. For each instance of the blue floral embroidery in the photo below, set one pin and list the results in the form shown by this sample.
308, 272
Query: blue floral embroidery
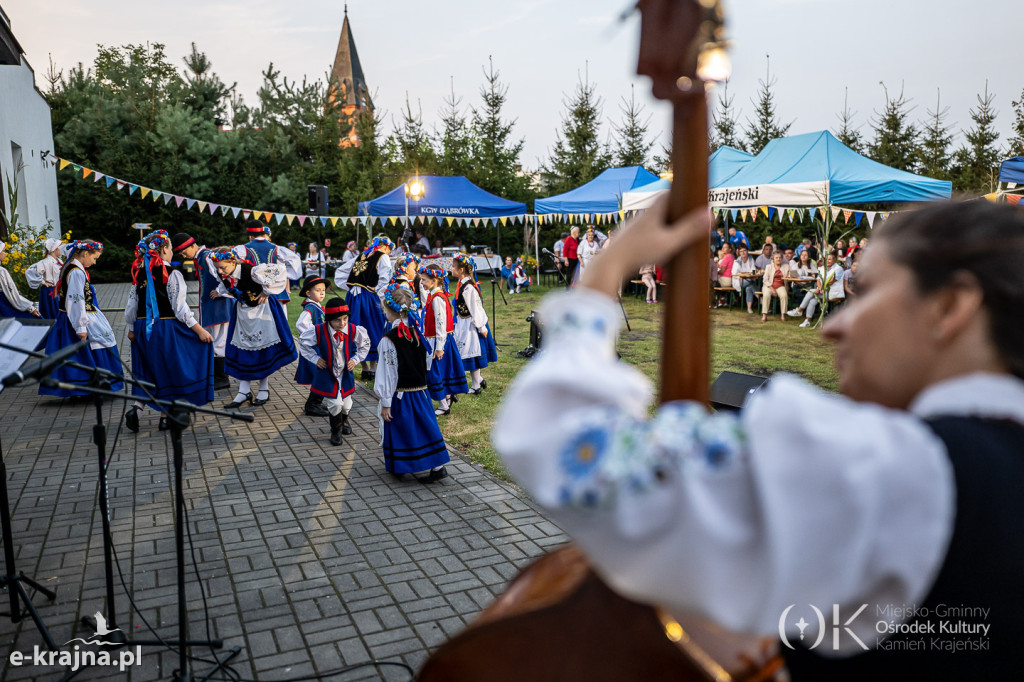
582, 454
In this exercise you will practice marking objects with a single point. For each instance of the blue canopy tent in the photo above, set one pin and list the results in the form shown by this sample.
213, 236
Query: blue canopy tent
724, 163
443, 197
1012, 170
603, 194
816, 169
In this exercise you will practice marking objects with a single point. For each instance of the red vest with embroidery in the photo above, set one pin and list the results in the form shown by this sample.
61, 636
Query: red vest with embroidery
430, 326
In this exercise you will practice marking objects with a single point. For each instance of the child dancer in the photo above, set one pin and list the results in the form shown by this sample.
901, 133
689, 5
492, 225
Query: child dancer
367, 281
446, 374
12, 303
261, 251
79, 317
336, 346
259, 338
410, 437
314, 290
214, 311
169, 347
43, 275
472, 331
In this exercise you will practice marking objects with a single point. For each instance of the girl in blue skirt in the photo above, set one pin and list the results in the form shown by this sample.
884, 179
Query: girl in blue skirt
370, 275
169, 347
410, 437
79, 318
314, 290
472, 330
446, 375
259, 337
43, 275
12, 303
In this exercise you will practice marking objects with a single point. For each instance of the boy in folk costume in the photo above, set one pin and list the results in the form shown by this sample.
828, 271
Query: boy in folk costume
472, 330
446, 375
214, 311
79, 317
259, 337
314, 290
43, 275
410, 438
261, 251
169, 347
370, 275
335, 346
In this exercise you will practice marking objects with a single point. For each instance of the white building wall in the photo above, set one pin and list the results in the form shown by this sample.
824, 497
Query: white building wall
25, 135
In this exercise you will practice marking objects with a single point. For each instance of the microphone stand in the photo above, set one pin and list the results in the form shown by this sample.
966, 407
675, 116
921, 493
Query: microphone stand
178, 417
494, 316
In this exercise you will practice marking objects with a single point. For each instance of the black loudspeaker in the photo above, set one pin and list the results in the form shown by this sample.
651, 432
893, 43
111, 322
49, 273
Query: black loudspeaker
318, 200
731, 390
536, 335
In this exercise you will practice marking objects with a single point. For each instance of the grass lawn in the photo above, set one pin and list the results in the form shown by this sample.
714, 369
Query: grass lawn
740, 343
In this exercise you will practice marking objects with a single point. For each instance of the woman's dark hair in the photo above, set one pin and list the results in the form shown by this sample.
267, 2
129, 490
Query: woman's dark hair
977, 237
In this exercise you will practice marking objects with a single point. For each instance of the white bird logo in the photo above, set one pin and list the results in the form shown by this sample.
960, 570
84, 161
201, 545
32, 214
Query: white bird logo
101, 625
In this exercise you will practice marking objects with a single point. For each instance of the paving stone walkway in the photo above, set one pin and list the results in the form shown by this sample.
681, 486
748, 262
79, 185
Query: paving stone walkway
312, 558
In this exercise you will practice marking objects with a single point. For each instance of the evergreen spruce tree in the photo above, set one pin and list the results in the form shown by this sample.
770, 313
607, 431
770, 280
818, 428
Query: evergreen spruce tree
937, 137
765, 126
1015, 145
975, 162
662, 161
896, 138
414, 146
724, 128
454, 138
632, 144
849, 134
495, 164
578, 155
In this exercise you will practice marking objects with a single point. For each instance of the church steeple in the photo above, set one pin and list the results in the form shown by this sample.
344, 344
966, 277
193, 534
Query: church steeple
348, 71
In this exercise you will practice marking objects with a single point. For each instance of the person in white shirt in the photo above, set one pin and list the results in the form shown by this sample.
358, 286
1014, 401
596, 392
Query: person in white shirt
743, 278
12, 303
315, 262
832, 282
916, 506
342, 272
43, 275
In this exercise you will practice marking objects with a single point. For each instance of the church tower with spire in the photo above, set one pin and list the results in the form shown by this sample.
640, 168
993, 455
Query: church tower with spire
347, 72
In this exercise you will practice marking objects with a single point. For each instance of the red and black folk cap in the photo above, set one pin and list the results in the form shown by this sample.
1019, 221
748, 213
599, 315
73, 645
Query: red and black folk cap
334, 309
182, 241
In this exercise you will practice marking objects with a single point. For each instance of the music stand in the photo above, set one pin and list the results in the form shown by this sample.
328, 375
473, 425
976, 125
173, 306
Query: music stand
23, 335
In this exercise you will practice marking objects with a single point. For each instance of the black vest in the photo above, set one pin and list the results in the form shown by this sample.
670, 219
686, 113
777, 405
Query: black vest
461, 307
163, 300
65, 273
250, 288
983, 568
364, 270
412, 362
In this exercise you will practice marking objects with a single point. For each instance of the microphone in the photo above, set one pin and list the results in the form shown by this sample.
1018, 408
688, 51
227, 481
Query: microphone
44, 366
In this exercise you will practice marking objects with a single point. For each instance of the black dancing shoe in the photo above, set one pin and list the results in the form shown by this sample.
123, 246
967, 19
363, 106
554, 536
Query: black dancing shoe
314, 408
235, 404
163, 425
476, 391
346, 429
131, 419
483, 383
434, 475
261, 401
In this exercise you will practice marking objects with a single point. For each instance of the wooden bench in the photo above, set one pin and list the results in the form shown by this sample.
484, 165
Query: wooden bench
729, 291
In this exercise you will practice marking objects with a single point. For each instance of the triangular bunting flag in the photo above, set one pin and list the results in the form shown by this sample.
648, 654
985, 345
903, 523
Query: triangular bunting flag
323, 221
167, 198
753, 213
235, 211
419, 220
503, 220
363, 220
96, 177
246, 213
846, 215
353, 220
871, 218
132, 189
110, 181
257, 215
76, 167
994, 196
814, 212
63, 164
157, 194
857, 215
178, 200
735, 212
189, 203
202, 206
120, 185
476, 222
449, 221
622, 215
801, 212
764, 210
771, 213
1013, 199
213, 208
280, 218
85, 172
790, 212
302, 220
290, 218
334, 221
835, 212
144, 193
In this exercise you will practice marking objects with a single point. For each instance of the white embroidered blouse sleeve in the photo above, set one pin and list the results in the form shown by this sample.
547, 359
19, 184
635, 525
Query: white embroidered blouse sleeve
131, 307
476, 307
688, 511
361, 341
440, 323
291, 261
304, 322
177, 291
50, 270
11, 293
307, 343
76, 300
385, 381
384, 273
272, 277
34, 274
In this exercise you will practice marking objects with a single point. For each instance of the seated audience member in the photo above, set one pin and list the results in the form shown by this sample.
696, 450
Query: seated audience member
762, 261
725, 261
743, 278
522, 280
804, 268
840, 249
789, 256
508, 275
774, 285
833, 284
717, 238
438, 248
849, 282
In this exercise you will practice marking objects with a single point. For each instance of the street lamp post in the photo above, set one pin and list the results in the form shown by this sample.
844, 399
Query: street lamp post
414, 190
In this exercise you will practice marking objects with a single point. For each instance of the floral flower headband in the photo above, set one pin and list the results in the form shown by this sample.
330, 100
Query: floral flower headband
466, 261
81, 245
222, 254
378, 243
152, 243
390, 302
408, 258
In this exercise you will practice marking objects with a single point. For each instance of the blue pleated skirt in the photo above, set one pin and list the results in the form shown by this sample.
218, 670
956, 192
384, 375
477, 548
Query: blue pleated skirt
412, 440
365, 311
488, 352
305, 372
253, 365
63, 334
47, 303
447, 375
175, 360
7, 310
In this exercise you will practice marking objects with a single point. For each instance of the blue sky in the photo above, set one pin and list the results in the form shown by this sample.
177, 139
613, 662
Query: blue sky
541, 47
